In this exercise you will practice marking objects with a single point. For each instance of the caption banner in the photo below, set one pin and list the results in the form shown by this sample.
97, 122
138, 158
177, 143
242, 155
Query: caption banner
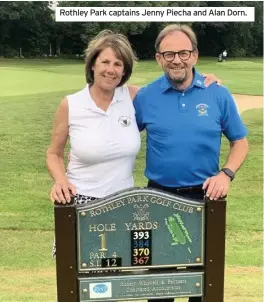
155, 14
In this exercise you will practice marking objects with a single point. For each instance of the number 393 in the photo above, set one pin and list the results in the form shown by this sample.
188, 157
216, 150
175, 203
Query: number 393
141, 235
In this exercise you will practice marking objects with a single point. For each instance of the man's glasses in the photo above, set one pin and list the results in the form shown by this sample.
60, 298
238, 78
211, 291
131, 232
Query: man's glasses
169, 56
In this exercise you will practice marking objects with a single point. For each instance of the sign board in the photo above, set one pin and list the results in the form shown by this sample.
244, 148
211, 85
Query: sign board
140, 228
139, 244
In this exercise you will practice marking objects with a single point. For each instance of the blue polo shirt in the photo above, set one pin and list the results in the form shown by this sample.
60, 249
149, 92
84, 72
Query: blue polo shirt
184, 130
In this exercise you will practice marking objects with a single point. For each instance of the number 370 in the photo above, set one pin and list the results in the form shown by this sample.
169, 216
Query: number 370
141, 235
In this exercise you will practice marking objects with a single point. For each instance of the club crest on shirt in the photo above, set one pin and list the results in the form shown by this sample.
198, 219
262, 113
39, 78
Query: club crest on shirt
124, 121
202, 109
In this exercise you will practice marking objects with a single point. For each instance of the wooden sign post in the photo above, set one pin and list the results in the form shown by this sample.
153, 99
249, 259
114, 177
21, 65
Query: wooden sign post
140, 243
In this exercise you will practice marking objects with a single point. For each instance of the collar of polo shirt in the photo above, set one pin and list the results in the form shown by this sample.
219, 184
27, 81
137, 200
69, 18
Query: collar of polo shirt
90, 104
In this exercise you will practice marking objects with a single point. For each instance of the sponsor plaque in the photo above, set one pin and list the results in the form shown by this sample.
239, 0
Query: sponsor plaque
120, 288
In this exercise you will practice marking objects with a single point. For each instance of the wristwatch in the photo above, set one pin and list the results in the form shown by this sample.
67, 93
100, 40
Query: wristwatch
229, 173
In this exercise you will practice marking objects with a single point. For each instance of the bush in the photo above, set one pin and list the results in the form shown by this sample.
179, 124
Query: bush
8, 52
239, 52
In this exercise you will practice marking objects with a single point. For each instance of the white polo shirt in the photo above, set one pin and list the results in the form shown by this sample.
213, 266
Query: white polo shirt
103, 144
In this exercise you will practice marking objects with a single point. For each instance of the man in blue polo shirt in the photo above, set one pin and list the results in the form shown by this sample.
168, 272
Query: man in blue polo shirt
184, 122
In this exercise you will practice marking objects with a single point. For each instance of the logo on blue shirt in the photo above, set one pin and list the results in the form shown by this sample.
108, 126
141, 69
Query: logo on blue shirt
202, 109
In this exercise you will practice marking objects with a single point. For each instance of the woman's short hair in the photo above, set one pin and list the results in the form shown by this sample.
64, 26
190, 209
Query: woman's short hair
119, 44
187, 30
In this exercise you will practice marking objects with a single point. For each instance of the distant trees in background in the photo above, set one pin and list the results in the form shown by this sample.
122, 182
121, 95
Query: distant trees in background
29, 29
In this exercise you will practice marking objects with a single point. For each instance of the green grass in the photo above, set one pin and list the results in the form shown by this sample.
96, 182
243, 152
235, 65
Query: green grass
30, 92
20, 77
240, 76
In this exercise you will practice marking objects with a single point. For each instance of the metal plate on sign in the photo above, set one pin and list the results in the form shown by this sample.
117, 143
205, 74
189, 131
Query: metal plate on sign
135, 287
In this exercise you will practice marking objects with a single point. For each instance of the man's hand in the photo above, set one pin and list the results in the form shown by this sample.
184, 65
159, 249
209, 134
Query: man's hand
62, 191
216, 186
210, 79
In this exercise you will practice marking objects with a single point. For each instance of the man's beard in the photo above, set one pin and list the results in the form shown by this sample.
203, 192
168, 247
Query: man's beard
176, 80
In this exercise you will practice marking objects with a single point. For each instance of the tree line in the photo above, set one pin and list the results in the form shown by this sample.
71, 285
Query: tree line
29, 29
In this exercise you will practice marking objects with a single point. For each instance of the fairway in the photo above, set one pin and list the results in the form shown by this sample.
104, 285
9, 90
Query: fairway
30, 91
43, 76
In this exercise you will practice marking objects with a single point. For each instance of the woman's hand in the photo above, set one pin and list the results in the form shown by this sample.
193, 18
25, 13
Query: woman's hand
210, 79
62, 191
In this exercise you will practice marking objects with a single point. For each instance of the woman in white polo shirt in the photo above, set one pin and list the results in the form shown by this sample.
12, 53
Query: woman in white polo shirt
100, 123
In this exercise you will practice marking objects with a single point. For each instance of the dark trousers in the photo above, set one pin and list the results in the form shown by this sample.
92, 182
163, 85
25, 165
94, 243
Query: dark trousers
194, 192
187, 192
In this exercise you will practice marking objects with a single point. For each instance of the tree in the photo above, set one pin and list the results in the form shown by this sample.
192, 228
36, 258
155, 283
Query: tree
31, 26
25, 25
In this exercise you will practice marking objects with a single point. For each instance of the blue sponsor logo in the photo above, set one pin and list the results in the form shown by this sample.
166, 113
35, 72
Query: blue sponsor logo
100, 288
